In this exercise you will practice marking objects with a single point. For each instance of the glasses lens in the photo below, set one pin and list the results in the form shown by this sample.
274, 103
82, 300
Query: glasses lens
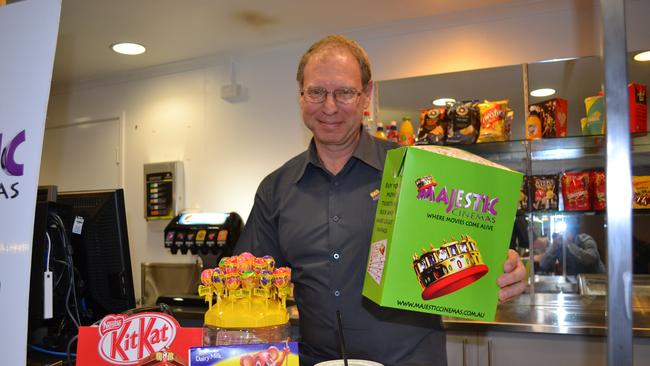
315, 95
345, 96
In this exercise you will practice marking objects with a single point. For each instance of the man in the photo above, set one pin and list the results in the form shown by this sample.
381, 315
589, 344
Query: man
580, 251
315, 214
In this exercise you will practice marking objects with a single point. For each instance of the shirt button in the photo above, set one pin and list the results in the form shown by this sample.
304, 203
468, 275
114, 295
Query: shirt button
337, 183
335, 218
336, 256
337, 293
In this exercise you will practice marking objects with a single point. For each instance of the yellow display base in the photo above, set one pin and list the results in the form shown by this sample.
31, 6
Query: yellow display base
253, 312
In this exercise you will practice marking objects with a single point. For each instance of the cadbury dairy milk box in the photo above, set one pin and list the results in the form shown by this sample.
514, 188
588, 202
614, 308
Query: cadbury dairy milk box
441, 233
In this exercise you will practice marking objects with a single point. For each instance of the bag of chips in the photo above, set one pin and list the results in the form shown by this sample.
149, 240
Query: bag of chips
597, 180
493, 117
575, 191
433, 126
463, 123
641, 191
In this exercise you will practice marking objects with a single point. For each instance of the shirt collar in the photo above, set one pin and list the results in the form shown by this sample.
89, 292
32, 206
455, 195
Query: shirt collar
366, 151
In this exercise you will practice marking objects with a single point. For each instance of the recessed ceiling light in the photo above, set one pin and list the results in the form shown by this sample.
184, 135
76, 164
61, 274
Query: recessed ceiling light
642, 56
543, 92
127, 48
441, 102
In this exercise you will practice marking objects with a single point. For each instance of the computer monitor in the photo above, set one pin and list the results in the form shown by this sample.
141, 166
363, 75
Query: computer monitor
81, 244
97, 229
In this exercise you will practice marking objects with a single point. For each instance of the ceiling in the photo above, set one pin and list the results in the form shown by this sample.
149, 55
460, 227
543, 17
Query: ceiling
174, 30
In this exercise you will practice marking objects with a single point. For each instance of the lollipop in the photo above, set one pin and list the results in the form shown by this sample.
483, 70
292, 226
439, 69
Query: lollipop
270, 262
232, 281
266, 278
243, 264
248, 279
206, 276
223, 261
259, 264
217, 279
247, 255
281, 277
230, 265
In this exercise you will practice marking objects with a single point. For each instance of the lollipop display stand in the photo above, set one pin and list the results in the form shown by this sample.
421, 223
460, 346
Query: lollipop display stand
247, 299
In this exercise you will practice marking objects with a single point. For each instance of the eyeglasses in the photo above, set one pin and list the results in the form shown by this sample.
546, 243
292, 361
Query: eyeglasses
341, 96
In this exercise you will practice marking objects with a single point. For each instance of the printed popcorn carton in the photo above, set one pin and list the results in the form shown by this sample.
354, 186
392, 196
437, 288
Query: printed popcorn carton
441, 233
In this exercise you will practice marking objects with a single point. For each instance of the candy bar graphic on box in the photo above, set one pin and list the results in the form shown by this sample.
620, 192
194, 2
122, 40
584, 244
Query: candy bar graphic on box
449, 268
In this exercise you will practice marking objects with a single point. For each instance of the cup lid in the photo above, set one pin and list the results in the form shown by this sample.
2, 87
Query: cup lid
351, 362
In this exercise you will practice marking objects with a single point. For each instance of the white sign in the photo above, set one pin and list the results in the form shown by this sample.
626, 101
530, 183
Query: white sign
28, 33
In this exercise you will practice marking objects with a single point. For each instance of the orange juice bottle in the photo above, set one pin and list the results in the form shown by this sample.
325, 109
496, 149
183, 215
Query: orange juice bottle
406, 137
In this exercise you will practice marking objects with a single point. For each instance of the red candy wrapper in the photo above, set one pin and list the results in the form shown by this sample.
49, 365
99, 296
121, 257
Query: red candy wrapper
575, 190
597, 180
638, 100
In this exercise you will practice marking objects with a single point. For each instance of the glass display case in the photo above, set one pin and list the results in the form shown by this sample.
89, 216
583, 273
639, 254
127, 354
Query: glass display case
564, 245
542, 233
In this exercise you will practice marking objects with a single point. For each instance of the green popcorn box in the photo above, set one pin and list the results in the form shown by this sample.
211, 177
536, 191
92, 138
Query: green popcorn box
441, 233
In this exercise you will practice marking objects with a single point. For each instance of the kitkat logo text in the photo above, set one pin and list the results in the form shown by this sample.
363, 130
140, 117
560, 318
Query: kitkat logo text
127, 340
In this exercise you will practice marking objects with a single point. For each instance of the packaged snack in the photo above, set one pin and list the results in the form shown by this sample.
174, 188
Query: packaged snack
641, 191
552, 115
433, 126
523, 203
493, 117
463, 123
545, 192
575, 191
637, 94
595, 122
280, 353
597, 180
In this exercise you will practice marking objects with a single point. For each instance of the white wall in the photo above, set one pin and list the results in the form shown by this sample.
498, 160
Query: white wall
227, 148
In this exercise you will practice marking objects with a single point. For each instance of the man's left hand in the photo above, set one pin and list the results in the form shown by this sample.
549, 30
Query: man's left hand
513, 280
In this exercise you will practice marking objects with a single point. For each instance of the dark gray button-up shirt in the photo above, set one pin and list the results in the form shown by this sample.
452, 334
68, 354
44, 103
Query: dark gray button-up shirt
320, 225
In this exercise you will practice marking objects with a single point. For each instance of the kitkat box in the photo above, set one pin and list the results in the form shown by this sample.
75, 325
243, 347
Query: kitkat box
441, 233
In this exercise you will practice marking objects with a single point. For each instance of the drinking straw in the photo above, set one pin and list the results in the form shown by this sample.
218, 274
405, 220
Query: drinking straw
341, 339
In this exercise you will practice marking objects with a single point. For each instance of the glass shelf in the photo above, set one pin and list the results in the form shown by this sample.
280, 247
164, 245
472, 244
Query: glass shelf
560, 148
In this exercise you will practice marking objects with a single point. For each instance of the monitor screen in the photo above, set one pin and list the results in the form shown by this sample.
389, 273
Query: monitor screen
81, 244
96, 227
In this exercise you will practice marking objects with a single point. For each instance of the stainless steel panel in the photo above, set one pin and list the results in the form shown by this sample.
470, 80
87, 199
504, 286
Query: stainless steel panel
619, 190
168, 279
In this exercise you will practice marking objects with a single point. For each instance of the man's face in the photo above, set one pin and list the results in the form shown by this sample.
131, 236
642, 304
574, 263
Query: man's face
334, 124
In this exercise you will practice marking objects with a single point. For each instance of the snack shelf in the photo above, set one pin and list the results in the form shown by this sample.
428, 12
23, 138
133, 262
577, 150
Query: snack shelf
635, 212
558, 148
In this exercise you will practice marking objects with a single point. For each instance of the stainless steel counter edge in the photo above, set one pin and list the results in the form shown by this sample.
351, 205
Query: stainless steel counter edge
555, 314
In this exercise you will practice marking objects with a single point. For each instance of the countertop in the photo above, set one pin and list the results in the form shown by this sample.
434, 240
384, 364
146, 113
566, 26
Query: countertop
559, 313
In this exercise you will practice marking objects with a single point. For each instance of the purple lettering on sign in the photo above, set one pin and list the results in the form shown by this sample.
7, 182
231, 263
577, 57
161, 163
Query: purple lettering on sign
7, 160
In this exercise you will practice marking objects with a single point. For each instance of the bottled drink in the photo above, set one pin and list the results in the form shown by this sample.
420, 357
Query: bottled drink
367, 122
406, 137
392, 134
380, 131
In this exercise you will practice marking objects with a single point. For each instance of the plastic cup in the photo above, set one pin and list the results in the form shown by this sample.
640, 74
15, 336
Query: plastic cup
351, 362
